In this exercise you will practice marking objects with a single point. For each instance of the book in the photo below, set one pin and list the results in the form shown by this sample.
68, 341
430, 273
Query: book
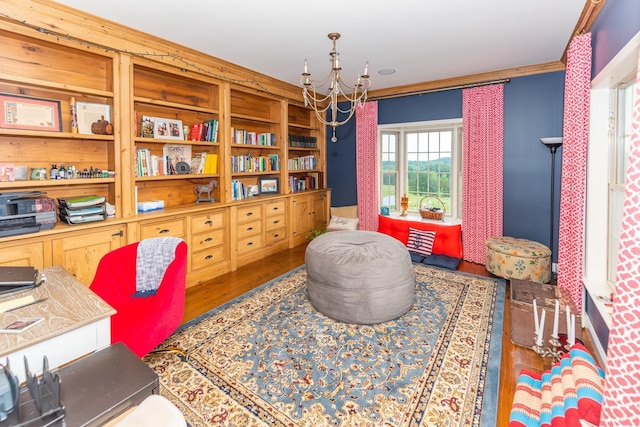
147, 127
21, 325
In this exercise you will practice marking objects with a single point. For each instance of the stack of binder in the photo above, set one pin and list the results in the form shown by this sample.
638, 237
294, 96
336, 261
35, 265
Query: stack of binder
78, 210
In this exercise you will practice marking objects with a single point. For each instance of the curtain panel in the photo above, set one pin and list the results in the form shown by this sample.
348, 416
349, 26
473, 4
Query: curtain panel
622, 389
575, 134
367, 165
482, 168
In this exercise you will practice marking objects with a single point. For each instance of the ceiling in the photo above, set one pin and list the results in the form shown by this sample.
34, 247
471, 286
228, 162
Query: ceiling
423, 40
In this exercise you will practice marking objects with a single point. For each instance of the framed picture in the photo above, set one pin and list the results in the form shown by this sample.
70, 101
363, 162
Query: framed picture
89, 113
269, 185
167, 129
22, 112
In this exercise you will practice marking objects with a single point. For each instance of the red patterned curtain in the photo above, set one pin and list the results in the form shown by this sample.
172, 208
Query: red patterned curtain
622, 389
367, 165
575, 133
483, 136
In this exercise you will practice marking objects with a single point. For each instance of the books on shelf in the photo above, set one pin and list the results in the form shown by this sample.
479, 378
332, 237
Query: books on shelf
311, 181
239, 190
303, 163
249, 163
303, 141
204, 163
241, 136
205, 131
78, 210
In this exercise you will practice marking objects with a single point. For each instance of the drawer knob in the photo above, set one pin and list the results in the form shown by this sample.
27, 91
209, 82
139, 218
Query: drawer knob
249, 213
164, 231
276, 221
208, 239
249, 243
209, 257
276, 235
249, 228
209, 222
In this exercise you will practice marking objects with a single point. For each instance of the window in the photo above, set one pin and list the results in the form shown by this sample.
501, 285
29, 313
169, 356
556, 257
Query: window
621, 118
422, 161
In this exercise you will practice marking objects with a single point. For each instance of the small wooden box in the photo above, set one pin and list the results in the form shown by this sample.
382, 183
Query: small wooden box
522, 321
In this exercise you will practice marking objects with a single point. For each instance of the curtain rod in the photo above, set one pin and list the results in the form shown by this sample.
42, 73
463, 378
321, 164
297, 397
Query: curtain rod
441, 89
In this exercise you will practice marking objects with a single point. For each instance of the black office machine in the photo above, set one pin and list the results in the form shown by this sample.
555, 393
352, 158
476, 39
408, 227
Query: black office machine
26, 212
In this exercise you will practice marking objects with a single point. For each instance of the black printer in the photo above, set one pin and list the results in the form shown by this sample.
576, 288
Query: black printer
26, 212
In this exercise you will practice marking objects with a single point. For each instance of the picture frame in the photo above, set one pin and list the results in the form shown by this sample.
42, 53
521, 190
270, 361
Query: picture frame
89, 113
269, 185
167, 129
28, 113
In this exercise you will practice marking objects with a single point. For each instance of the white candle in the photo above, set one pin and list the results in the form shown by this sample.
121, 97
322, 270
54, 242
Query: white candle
306, 68
544, 313
572, 340
535, 317
555, 320
568, 313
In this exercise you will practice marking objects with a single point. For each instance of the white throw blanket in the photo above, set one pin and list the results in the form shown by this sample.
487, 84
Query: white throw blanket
153, 257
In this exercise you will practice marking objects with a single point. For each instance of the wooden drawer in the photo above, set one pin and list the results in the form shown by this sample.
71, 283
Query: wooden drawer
249, 229
175, 228
207, 257
249, 213
202, 223
250, 243
207, 240
273, 222
275, 208
275, 236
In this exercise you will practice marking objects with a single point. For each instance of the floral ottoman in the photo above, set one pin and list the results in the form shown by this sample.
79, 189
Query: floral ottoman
523, 259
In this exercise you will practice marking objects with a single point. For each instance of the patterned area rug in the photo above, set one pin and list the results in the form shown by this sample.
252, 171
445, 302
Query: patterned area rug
270, 359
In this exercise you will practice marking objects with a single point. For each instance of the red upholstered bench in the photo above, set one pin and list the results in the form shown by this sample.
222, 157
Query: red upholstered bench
447, 246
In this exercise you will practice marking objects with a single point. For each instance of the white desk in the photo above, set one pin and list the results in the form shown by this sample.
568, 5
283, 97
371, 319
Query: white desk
76, 322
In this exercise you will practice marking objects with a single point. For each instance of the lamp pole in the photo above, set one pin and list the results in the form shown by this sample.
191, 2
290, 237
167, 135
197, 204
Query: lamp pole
553, 144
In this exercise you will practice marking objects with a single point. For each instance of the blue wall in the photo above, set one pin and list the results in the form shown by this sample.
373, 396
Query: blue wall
533, 109
617, 22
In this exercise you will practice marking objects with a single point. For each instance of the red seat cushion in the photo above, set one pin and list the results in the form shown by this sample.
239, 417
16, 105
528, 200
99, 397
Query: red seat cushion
448, 239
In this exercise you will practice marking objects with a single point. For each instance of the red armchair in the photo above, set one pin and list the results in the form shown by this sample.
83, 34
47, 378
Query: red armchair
141, 323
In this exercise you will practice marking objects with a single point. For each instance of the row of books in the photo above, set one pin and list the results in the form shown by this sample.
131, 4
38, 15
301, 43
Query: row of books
312, 181
204, 163
250, 163
239, 190
303, 163
148, 164
240, 136
205, 131
303, 141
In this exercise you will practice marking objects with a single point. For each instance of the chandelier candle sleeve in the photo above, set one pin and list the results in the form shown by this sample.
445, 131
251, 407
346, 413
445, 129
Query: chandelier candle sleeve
541, 328
535, 317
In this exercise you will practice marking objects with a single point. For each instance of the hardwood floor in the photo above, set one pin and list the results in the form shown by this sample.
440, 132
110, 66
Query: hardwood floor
204, 297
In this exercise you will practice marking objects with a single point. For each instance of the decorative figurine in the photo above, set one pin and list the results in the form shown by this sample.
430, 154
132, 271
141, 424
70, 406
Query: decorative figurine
102, 127
201, 189
404, 203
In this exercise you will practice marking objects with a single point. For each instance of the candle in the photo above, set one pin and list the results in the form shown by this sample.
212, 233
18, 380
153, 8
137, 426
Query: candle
306, 68
535, 317
572, 332
568, 313
544, 313
366, 69
555, 320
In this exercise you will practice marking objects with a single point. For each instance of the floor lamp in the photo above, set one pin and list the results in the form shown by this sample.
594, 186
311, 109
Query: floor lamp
552, 143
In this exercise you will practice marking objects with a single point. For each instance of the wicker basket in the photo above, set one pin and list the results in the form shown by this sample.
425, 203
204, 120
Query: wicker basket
437, 214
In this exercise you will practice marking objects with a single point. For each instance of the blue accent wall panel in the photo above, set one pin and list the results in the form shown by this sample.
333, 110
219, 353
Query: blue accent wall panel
618, 21
533, 108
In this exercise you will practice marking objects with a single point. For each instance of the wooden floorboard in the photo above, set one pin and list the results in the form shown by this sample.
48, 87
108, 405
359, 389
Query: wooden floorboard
202, 298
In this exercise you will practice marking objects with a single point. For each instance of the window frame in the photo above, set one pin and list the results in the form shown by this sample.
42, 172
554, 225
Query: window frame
401, 130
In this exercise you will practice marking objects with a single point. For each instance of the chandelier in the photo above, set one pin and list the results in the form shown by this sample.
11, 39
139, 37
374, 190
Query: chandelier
336, 90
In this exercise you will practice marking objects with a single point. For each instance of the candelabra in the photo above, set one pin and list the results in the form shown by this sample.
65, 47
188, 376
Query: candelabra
556, 349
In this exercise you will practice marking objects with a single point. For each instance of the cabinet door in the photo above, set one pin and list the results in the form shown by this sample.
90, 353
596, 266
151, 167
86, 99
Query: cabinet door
27, 254
80, 253
301, 222
320, 219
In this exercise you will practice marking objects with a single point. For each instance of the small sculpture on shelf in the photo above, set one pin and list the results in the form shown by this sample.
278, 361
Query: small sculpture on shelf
404, 204
208, 188
102, 127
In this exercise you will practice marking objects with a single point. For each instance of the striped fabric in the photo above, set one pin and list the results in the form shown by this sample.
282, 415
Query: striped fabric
367, 165
569, 392
421, 241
